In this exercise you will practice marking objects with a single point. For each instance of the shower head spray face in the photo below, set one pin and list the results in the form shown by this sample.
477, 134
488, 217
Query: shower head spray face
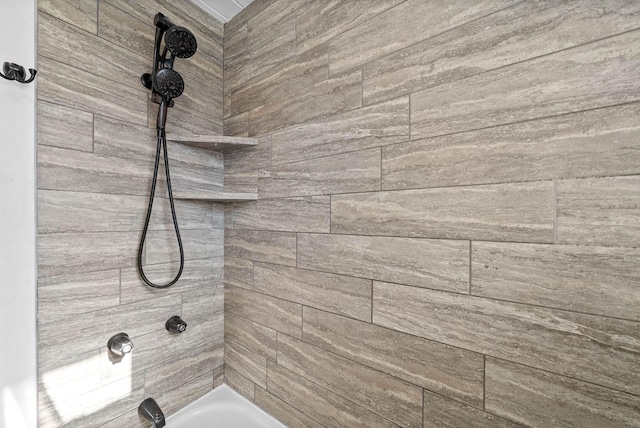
168, 83
181, 42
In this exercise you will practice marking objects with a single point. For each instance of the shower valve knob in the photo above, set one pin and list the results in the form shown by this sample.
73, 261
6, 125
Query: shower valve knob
120, 344
175, 324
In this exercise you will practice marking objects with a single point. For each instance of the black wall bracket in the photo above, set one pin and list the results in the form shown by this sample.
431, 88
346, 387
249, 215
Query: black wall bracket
16, 72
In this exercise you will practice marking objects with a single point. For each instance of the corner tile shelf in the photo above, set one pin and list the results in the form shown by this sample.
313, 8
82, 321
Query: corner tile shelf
216, 143
213, 196
219, 144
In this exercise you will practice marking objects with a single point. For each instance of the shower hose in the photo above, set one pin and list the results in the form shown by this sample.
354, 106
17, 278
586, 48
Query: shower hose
162, 143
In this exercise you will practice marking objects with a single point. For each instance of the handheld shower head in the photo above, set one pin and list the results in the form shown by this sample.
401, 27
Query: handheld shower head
168, 83
180, 42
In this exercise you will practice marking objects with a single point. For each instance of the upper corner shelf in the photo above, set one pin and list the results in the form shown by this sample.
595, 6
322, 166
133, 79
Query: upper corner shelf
213, 142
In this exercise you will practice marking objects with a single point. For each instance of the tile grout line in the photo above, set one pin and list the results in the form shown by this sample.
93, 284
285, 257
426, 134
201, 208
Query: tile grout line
470, 264
555, 211
422, 406
484, 383
371, 320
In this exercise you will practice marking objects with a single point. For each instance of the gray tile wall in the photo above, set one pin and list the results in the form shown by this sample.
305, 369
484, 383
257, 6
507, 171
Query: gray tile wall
96, 142
447, 230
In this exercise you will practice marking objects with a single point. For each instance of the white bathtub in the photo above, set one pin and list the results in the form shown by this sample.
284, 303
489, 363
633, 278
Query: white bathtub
222, 408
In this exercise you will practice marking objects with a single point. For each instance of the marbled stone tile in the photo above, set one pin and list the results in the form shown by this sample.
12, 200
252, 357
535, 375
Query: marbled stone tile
191, 167
235, 44
593, 75
64, 127
169, 376
514, 34
518, 393
68, 253
346, 172
326, 98
209, 37
96, 407
203, 334
250, 158
251, 365
93, 329
119, 138
196, 274
420, 20
339, 294
90, 53
599, 211
323, 20
389, 397
81, 13
236, 126
238, 272
166, 356
218, 376
440, 264
360, 129
591, 143
239, 383
172, 401
290, 76
74, 171
226, 108
228, 216
60, 212
321, 404
202, 302
277, 314
449, 371
549, 339
265, 53
596, 280
268, 22
241, 182
305, 214
62, 84
249, 12
254, 337
285, 413
217, 213
64, 296
442, 412
121, 28
162, 246
262, 246
522, 212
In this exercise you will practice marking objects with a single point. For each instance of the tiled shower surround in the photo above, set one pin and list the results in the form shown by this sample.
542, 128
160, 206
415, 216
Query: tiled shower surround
448, 219
447, 226
96, 146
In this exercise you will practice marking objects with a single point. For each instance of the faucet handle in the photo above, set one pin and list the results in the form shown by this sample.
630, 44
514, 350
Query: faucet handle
120, 344
175, 324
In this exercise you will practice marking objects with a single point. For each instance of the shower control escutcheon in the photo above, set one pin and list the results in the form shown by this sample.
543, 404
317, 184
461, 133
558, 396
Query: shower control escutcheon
175, 324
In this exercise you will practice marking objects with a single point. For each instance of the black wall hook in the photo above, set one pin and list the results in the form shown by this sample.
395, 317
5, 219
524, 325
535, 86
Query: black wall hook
16, 72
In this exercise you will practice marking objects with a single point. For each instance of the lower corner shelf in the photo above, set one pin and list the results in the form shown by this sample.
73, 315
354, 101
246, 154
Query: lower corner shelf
215, 196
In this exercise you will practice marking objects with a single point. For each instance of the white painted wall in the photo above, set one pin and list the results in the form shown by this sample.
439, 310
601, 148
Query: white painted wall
18, 340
